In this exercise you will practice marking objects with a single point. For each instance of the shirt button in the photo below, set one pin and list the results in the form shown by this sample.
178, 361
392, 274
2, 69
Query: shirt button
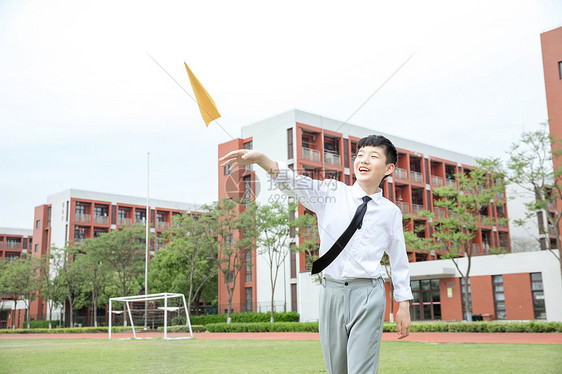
347, 284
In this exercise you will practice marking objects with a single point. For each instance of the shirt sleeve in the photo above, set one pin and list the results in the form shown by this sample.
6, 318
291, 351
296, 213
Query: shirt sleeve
309, 192
399, 264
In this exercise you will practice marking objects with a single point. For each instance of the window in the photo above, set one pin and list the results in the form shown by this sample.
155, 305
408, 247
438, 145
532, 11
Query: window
248, 266
36, 248
140, 216
426, 304
290, 143
248, 188
249, 301
122, 214
229, 276
538, 295
227, 169
560, 69
100, 211
499, 297
37, 224
80, 210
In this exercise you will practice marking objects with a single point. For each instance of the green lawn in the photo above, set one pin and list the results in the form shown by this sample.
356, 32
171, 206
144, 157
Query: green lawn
255, 356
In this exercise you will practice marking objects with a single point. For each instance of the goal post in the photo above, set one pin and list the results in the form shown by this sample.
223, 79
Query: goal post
152, 297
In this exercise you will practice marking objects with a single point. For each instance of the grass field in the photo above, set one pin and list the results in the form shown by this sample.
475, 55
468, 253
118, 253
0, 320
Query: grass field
262, 356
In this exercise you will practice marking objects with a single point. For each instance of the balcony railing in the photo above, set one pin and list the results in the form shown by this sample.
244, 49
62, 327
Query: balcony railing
310, 154
13, 245
125, 221
332, 158
401, 173
417, 208
440, 212
101, 220
1, 245
162, 225
450, 182
84, 218
436, 181
485, 220
141, 221
404, 207
416, 176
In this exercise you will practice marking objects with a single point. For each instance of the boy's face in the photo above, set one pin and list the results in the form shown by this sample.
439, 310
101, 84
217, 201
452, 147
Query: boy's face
370, 166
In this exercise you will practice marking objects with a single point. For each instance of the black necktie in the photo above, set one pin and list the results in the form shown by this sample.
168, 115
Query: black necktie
339, 245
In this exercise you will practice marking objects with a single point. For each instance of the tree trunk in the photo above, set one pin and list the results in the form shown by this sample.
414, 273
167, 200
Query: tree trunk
14, 316
466, 300
27, 316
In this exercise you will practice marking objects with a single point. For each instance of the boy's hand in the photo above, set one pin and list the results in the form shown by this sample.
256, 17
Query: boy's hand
403, 319
243, 157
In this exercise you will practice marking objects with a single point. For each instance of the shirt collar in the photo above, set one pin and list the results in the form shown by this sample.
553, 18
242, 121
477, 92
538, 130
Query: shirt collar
358, 192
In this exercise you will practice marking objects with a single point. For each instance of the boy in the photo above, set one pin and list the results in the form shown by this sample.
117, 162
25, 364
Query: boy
352, 297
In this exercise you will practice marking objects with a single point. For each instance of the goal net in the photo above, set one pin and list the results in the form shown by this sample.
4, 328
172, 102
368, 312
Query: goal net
150, 311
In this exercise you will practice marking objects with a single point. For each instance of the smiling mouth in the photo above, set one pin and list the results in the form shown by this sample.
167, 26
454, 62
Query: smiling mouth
363, 169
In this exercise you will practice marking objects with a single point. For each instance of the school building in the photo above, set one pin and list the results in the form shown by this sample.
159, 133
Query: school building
71, 216
320, 147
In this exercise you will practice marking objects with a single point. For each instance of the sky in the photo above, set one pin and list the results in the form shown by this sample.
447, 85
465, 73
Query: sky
82, 101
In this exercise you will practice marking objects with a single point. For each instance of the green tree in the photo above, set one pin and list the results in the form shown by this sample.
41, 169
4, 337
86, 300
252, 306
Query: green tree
123, 251
274, 225
534, 163
185, 265
19, 281
47, 284
454, 233
96, 273
68, 282
230, 234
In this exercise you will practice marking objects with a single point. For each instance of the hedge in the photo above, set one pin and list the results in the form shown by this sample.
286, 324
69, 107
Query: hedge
263, 327
238, 318
42, 324
533, 326
184, 328
66, 330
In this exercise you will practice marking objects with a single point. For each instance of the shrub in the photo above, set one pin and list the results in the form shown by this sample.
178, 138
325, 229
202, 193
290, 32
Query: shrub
42, 324
263, 327
238, 318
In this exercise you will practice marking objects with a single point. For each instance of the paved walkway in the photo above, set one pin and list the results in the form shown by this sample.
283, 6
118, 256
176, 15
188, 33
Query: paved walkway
430, 337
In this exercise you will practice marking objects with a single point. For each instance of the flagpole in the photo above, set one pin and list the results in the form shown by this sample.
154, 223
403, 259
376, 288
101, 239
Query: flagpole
146, 240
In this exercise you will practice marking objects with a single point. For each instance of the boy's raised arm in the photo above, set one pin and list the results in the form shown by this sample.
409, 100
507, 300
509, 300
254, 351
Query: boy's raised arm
246, 156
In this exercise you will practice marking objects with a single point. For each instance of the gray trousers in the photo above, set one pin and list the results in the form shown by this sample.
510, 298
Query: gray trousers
351, 322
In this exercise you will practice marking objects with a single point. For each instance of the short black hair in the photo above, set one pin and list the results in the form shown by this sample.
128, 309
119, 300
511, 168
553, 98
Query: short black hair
390, 152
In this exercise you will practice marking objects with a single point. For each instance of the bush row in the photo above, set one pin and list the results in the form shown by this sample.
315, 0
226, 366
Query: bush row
492, 326
42, 324
66, 330
238, 318
184, 328
263, 327
533, 326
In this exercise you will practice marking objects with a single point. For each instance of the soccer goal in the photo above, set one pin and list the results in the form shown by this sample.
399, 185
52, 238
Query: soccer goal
154, 310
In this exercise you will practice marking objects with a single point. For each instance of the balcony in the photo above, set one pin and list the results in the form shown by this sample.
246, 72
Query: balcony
440, 212
416, 176
83, 218
451, 183
417, 208
125, 221
436, 181
310, 154
1, 245
13, 245
162, 225
332, 159
101, 220
401, 173
485, 220
404, 207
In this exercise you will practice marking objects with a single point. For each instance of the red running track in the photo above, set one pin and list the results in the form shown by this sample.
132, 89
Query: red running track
430, 337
